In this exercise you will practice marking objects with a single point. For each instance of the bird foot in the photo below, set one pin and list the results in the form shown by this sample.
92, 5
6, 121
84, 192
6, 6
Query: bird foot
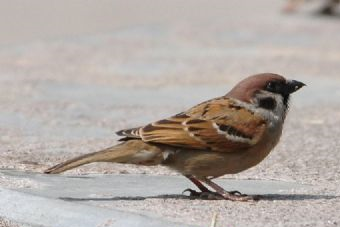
206, 195
237, 196
209, 195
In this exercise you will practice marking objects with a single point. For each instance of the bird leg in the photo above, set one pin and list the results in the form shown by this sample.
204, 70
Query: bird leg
198, 184
205, 193
232, 195
220, 193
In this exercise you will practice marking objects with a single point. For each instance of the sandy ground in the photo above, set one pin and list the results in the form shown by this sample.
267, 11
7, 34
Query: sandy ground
64, 92
7, 223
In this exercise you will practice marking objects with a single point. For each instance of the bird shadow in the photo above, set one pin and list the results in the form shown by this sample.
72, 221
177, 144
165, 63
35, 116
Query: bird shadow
266, 197
296, 197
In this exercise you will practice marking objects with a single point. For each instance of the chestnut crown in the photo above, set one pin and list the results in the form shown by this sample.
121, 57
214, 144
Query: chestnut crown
247, 88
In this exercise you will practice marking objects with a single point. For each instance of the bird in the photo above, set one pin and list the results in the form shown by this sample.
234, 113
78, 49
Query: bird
224, 135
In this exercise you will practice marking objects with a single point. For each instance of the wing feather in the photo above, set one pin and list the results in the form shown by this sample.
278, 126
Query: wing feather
220, 124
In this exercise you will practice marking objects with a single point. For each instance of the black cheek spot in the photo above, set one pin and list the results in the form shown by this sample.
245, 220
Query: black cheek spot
267, 103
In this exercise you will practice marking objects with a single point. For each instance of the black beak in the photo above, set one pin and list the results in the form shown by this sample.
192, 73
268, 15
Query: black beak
293, 86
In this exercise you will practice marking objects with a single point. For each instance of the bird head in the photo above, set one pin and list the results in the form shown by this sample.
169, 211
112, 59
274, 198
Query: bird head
268, 91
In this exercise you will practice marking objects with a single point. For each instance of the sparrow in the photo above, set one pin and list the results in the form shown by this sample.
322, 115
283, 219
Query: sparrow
224, 135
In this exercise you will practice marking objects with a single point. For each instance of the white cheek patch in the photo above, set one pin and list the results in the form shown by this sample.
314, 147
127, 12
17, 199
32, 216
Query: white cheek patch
279, 112
273, 117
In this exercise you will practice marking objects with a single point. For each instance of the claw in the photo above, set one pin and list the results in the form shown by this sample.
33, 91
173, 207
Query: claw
236, 193
240, 197
211, 196
244, 197
232, 195
192, 192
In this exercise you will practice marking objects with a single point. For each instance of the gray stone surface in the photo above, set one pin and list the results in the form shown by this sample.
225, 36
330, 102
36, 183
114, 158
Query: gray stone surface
40, 211
57, 200
138, 187
72, 73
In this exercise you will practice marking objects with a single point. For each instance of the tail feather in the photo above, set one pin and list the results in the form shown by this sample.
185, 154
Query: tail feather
75, 162
99, 156
122, 153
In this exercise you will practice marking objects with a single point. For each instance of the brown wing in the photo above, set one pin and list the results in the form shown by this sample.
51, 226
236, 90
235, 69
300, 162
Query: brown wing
218, 124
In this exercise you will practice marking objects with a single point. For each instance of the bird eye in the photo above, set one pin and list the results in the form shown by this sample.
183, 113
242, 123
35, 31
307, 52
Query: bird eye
270, 86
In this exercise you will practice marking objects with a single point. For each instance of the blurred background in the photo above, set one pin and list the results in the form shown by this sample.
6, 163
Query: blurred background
74, 72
